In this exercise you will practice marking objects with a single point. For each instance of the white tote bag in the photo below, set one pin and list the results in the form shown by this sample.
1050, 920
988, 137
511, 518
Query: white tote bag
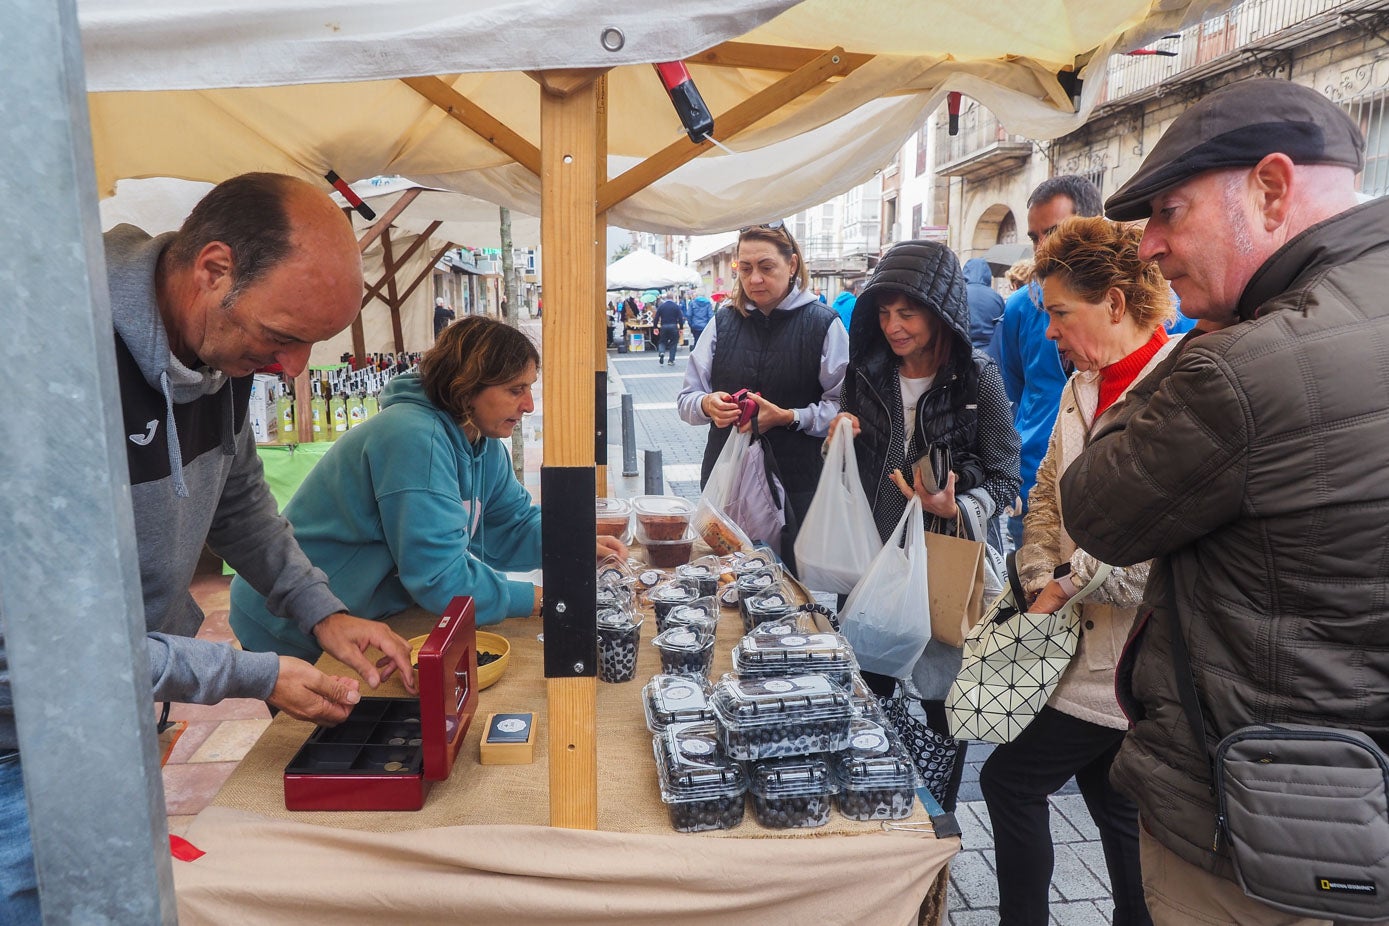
887, 617
726, 469
838, 538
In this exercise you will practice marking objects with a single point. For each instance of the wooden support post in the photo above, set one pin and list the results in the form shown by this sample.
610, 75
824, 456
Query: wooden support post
392, 293
390, 268
303, 411
487, 126
568, 187
600, 273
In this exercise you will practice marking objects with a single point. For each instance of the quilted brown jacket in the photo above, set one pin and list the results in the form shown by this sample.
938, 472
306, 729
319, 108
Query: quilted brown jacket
1253, 465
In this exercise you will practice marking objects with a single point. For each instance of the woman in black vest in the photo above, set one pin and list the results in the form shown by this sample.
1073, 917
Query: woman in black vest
915, 380
774, 339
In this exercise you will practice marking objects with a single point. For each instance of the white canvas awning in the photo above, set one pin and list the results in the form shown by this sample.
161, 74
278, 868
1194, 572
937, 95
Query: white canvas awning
307, 86
643, 270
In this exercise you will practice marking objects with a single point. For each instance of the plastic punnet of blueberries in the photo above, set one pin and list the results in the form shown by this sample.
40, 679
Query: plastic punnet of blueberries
875, 775
686, 649
619, 633
702, 788
792, 792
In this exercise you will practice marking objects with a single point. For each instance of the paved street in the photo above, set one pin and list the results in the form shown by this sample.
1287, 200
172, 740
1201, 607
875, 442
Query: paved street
1080, 886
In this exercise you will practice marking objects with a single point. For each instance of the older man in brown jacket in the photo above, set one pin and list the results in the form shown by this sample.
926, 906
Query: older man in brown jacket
1253, 465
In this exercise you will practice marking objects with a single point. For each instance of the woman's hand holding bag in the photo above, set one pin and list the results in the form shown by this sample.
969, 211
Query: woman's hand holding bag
887, 618
838, 538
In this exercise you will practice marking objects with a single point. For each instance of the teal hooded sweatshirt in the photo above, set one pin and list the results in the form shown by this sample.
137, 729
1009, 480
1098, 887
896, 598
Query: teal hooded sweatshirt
404, 510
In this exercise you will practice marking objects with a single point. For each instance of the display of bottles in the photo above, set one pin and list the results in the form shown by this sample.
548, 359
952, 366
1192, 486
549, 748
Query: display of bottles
341, 397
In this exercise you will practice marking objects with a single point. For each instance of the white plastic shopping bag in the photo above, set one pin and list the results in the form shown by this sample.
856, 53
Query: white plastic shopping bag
887, 618
726, 469
838, 538
757, 499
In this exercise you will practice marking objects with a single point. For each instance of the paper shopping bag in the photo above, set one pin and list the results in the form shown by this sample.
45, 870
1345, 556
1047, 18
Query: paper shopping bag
955, 577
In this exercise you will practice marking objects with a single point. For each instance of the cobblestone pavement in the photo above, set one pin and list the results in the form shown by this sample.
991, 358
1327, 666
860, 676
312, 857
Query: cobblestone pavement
1080, 884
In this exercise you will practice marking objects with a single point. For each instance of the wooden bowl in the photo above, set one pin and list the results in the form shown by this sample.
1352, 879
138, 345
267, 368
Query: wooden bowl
486, 643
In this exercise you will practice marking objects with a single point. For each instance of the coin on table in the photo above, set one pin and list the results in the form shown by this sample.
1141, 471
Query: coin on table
394, 767
396, 741
415, 742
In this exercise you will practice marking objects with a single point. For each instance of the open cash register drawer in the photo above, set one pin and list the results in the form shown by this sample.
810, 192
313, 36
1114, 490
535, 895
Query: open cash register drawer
386, 753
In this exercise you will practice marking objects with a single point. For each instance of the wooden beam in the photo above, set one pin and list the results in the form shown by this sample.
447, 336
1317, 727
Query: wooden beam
829, 64
303, 412
392, 291
426, 270
488, 127
766, 57
600, 262
389, 269
383, 223
565, 82
568, 185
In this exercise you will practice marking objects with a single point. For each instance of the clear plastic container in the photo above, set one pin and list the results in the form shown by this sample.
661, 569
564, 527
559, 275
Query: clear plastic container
702, 788
615, 571
669, 554
763, 654
619, 633
672, 699
864, 702
671, 594
703, 611
662, 517
613, 518
792, 793
686, 650
706, 571
875, 776
763, 718
739, 563
769, 604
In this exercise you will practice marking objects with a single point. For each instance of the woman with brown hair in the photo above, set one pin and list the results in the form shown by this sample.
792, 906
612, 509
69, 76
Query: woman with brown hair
1106, 309
776, 340
419, 503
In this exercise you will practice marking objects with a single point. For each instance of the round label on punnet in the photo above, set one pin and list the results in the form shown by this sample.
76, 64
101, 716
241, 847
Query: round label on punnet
650, 577
679, 693
776, 630
777, 684
794, 641
869, 742
696, 748
681, 638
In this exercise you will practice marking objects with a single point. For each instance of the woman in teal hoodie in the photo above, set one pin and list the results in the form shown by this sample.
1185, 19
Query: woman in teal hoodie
419, 503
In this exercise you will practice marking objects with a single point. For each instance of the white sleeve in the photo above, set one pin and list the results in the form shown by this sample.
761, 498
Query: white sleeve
834, 360
697, 372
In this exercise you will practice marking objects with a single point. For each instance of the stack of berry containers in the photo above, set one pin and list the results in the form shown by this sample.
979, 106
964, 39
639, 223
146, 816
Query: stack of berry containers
670, 594
770, 604
705, 571
702, 788
619, 633
701, 611
766, 718
875, 777
670, 699
769, 654
793, 792
750, 583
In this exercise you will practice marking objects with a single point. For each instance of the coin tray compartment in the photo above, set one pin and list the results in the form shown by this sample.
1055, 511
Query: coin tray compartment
346, 767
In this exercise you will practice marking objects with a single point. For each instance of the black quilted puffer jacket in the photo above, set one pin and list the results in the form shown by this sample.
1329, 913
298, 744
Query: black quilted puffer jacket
966, 406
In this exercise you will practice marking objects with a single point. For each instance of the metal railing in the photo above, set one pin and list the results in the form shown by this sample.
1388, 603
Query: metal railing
1249, 24
979, 129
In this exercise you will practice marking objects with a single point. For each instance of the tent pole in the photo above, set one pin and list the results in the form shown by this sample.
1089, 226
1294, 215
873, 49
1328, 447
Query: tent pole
568, 186
69, 569
383, 223
392, 300
474, 117
390, 268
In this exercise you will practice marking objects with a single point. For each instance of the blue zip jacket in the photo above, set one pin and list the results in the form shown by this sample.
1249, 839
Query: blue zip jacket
403, 510
1032, 373
985, 305
701, 313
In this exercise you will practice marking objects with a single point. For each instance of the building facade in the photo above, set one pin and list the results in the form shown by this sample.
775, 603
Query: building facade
1337, 47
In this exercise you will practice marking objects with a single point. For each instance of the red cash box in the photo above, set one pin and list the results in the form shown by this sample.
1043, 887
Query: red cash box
388, 750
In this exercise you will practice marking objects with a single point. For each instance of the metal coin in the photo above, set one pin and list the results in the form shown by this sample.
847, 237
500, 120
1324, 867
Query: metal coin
415, 742
394, 767
396, 741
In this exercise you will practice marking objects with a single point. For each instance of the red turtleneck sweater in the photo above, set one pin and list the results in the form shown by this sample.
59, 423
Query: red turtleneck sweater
1115, 378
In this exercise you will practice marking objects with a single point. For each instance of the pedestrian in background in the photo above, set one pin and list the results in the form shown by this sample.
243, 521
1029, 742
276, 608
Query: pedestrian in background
985, 305
701, 314
669, 320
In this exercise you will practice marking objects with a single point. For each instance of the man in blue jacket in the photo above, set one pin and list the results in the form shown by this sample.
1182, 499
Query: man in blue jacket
701, 313
985, 305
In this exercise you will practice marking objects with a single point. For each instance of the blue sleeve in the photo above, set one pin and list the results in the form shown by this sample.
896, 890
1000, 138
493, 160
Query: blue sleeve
510, 517
1010, 359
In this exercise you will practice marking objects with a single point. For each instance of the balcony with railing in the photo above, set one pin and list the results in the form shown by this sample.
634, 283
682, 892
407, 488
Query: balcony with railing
1252, 27
982, 148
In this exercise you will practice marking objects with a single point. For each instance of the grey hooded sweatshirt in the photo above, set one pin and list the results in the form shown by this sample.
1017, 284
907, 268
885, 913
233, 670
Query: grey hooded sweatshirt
194, 477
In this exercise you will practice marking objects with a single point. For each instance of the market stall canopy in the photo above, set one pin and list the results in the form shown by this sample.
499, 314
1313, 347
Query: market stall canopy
1002, 256
809, 97
643, 270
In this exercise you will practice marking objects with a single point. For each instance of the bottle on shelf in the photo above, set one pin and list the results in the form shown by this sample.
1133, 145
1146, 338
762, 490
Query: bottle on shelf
356, 409
318, 414
284, 410
337, 415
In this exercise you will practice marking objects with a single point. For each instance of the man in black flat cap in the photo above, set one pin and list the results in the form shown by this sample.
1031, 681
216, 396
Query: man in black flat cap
1253, 465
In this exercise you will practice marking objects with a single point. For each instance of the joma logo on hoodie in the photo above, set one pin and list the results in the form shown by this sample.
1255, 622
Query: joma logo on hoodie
143, 439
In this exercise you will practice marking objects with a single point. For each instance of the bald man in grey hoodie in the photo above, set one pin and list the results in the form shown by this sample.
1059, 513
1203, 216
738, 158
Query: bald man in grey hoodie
265, 266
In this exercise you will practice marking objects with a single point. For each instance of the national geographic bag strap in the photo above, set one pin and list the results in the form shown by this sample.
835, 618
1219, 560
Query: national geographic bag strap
1303, 809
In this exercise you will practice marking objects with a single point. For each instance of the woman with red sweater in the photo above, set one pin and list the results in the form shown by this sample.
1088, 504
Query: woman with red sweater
1106, 310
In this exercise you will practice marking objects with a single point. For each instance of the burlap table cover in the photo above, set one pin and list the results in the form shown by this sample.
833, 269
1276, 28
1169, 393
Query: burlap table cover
486, 828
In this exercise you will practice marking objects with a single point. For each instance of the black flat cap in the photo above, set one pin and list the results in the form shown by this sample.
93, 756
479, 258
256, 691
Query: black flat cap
1238, 126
